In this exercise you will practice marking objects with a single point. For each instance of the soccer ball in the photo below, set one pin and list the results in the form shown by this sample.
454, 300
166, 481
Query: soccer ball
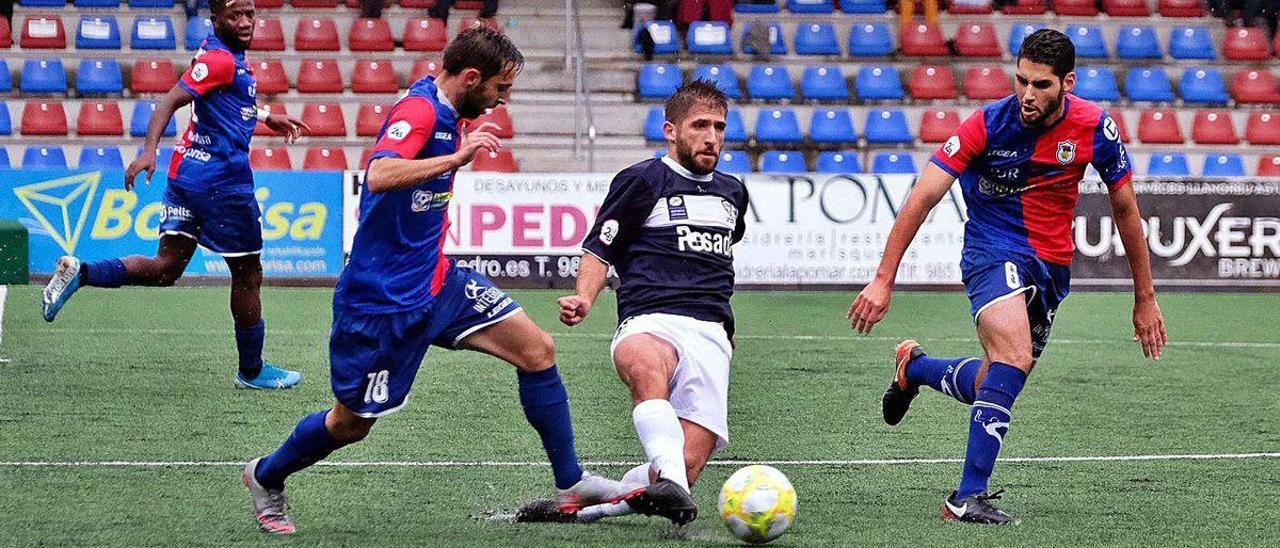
757, 503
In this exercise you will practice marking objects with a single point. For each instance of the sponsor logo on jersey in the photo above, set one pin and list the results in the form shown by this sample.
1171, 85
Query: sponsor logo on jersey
399, 130
193, 154
425, 200
176, 213
444, 136
1002, 153
199, 72
1110, 131
1066, 152
248, 113
486, 298
689, 239
608, 231
952, 146
676, 210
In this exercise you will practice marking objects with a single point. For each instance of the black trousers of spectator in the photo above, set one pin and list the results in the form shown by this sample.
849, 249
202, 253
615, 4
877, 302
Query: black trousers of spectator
1250, 9
441, 10
371, 9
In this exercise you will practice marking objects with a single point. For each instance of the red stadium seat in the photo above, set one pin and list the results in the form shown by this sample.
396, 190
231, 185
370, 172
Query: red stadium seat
270, 158
370, 35
1263, 128
44, 118
374, 76
987, 82
1126, 8
319, 76
1121, 125
324, 119
499, 162
924, 40
100, 118
1275, 46
271, 77
268, 4
153, 76
43, 32
932, 82
369, 119
325, 159
1246, 44
268, 35
1213, 127
970, 8
364, 158
314, 3
423, 68
1269, 166
468, 22
936, 126
1086, 8
1254, 86
1159, 127
1181, 8
498, 116
977, 41
425, 34
417, 4
468, 4
1024, 7
316, 34
6, 34
262, 129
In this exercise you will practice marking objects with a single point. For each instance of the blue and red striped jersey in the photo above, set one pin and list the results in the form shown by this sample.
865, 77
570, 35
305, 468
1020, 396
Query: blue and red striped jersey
214, 149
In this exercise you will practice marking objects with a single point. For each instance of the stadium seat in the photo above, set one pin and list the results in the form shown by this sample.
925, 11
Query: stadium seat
151, 4
931, 82
653, 125
659, 81
43, 32
770, 83
1126, 8
1269, 165
1024, 7
6, 39
313, 3
980, 7
271, 77
1138, 43
6, 124
158, 76
1168, 165
316, 34
1085, 8
100, 118
152, 32
874, 7
887, 127
838, 162
370, 34
98, 32
663, 32
44, 118
1181, 8
369, 119
96, 158
42, 3
268, 35
893, 163
977, 40
431, 67
744, 7
325, 159
988, 82
870, 40
319, 76
816, 39
1223, 165
276, 158
735, 131
924, 40
778, 126
1160, 127
723, 76
777, 45
810, 6
1254, 86
1191, 43
1018, 33
878, 83
99, 77
709, 38
1088, 40
1246, 44
1203, 86
1148, 85
832, 127
1122, 125
936, 126
6, 79
43, 76
44, 157
733, 161
374, 76
502, 161
325, 119
142, 116
1213, 127
198, 28
782, 161
1096, 84
364, 158
425, 34
262, 129
1262, 128
497, 116
825, 83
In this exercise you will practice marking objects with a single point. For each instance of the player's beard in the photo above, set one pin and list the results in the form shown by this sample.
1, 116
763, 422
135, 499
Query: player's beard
684, 155
473, 102
1044, 114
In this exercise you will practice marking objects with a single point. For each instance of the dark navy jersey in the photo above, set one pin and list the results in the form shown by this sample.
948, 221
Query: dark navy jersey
214, 150
670, 235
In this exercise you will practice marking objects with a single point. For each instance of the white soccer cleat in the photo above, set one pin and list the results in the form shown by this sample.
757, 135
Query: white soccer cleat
592, 490
269, 505
62, 285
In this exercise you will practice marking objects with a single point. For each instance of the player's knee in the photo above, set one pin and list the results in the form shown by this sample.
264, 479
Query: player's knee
169, 273
351, 429
539, 354
1020, 359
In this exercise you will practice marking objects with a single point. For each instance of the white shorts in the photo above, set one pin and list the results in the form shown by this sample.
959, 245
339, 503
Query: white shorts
700, 385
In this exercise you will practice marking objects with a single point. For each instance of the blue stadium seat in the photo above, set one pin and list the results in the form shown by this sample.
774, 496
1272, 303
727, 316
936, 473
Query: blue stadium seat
839, 162
744, 7
832, 126
1203, 86
197, 29
653, 124
663, 32
887, 127
735, 131
810, 6
1096, 84
777, 45
142, 116
893, 163
42, 3
659, 153
6, 80
4, 158
870, 40
95, 158
1223, 165
778, 126
709, 38
1138, 43
723, 76
782, 161
659, 80
879, 84
862, 6
770, 82
152, 32
44, 157
824, 84
97, 3
734, 161
1168, 165
43, 76
1088, 40
1018, 33
151, 3
6, 125
1191, 43
99, 77
98, 32
816, 39
1148, 84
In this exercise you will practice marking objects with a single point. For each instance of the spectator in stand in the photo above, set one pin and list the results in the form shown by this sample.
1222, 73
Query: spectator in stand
1250, 11
372, 9
907, 8
689, 11
6, 11
441, 9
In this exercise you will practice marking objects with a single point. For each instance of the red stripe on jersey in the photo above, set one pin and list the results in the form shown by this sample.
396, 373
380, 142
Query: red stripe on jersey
969, 140
216, 68
442, 262
1048, 208
179, 152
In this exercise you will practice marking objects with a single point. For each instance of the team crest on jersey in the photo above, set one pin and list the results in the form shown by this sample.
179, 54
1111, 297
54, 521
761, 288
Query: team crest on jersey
1066, 152
730, 210
1110, 130
676, 209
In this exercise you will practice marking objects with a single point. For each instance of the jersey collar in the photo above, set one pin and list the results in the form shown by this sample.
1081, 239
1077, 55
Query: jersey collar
681, 171
444, 99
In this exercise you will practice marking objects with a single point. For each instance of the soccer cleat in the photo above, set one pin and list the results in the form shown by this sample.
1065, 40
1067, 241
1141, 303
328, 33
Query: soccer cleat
667, 499
589, 491
270, 378
63, 284
545, 511
897, 398
976, 509
269, 505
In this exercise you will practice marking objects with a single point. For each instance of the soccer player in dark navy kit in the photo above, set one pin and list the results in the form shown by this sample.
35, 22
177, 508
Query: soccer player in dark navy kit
209, 199
1019, 161
400, 295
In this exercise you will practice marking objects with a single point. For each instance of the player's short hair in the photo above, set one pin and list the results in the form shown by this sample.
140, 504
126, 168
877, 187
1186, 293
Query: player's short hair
1050, 47
216, 6
483, 49
696, 92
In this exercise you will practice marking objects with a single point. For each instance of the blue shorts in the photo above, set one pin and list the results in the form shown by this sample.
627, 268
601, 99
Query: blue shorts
222, 220
373, 358
991, 279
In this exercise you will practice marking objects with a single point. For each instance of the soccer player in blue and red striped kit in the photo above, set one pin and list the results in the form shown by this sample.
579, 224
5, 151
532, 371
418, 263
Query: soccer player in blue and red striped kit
1020, 161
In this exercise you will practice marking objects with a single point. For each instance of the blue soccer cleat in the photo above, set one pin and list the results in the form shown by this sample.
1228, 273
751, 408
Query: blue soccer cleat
63, 284
271, 378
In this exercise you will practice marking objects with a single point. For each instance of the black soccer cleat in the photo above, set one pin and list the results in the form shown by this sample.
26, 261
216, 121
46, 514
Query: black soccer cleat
667, 499
897, 398
545, 511
976, 509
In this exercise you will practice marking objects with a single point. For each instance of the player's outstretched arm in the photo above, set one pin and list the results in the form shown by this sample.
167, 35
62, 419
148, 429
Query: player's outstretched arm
170, 103
387, 174
872, 302
1148, 321
591, 277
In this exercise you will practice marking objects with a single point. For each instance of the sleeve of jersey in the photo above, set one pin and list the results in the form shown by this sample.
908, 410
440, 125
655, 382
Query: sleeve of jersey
621, 217
1109, 155
210, 71
740, 228
966, 144
409, 126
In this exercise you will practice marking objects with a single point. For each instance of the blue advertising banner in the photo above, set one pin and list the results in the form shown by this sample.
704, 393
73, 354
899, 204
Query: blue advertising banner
90, 215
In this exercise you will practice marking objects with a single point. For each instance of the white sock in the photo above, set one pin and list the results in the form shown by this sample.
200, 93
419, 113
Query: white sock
608, 510
663, 439
638, 475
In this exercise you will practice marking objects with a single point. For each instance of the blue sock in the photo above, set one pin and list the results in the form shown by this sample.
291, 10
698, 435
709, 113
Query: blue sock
951, 376
546, 406
106, 273
988, 425
309, 443
249, 345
